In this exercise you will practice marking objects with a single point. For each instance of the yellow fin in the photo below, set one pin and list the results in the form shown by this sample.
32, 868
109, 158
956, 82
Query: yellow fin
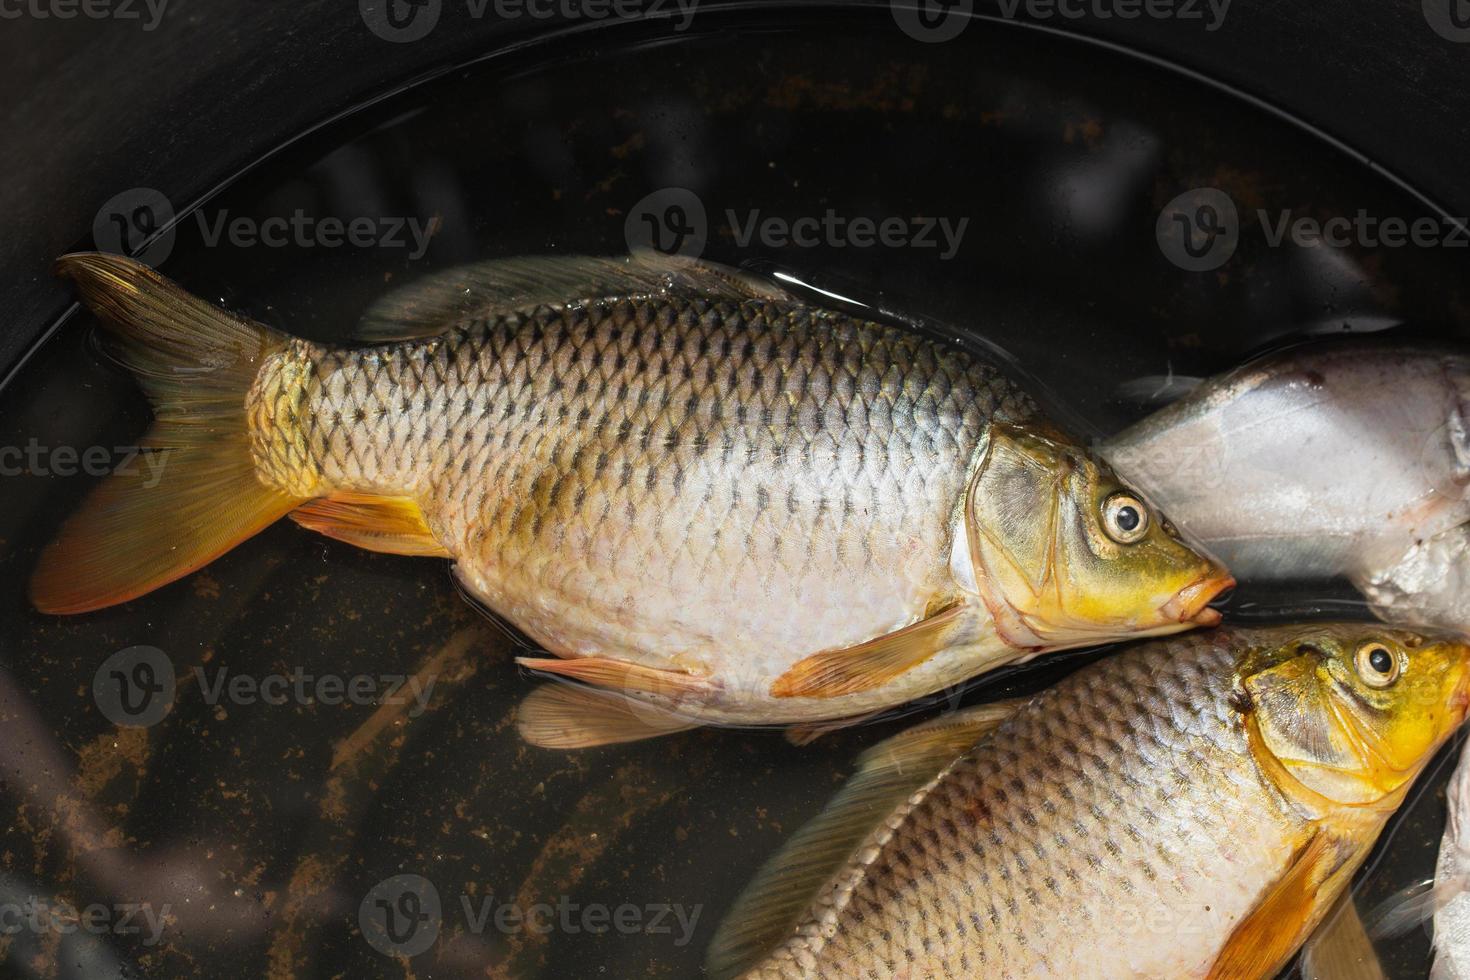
833, 673
1290, 910
620, 675
1340, 948
563, 716
194, 495
888, 775
394, 525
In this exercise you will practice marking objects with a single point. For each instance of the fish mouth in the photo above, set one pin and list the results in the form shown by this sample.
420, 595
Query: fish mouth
1191, 604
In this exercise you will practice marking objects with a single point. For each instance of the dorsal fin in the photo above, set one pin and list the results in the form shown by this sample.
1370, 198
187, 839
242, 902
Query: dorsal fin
436, 303
888, 775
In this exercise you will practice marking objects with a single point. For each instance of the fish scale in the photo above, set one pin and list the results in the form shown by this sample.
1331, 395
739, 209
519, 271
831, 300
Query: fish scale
689, 485
1059, 819
827, 445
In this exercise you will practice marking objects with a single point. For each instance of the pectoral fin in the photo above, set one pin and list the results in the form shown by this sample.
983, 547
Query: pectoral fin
394, 525
834, 673
1290, 910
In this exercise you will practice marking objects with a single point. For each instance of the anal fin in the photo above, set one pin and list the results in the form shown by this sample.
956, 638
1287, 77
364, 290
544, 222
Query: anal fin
851, 670
394, 525
565, 716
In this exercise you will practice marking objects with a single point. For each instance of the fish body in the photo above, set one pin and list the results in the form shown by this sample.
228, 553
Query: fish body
690, 487
679, 483
1330, 459
1188, 808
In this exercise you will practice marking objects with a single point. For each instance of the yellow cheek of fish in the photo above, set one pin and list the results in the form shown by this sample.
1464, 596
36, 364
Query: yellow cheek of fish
1345, 740
1042, 556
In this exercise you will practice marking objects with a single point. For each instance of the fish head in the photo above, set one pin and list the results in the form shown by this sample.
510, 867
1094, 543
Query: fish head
1065, 554
1349, 713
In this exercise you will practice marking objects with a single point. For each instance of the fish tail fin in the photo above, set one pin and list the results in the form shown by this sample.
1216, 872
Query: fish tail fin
194, 493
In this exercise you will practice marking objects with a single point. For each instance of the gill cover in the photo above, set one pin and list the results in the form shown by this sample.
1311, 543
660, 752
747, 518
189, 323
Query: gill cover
1048, 571
1343, 732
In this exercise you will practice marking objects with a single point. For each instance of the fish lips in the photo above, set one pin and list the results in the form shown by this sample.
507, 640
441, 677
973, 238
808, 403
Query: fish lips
1191, 604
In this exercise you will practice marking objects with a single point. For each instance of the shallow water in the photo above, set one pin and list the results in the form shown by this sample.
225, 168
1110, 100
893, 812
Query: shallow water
1060, 155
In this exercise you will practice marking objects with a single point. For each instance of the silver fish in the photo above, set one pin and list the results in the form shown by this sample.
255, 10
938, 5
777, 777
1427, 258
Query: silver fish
1342, 458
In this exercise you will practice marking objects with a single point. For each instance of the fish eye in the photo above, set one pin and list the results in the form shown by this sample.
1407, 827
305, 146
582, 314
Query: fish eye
1124, 518
1377, 665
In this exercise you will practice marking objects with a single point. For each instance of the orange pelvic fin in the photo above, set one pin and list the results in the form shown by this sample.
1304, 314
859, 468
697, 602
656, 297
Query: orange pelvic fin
394, 525
567, 716
620, 675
